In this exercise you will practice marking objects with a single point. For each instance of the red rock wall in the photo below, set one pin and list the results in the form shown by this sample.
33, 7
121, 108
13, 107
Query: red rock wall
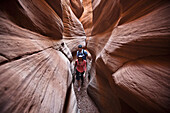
36, 41
130, 46
87, 17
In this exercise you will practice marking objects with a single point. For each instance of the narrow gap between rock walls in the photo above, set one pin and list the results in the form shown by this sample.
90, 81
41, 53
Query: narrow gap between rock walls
85, 104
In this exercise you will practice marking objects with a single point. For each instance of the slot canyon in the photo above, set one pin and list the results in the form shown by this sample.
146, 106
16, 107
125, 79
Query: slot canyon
128, 43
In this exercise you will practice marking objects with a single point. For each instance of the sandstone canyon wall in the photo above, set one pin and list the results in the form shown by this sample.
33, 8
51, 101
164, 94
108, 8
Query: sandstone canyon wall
37, 38
128, 40
130, 46
87, 17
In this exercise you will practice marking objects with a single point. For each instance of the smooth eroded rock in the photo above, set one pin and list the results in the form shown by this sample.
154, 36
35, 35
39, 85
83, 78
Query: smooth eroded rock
131, 56
37, 38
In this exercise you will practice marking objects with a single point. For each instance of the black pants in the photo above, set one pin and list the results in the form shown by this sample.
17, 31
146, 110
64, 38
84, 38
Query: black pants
79, 75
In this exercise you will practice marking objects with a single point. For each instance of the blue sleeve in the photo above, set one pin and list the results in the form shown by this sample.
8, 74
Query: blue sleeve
77, 54
85, 52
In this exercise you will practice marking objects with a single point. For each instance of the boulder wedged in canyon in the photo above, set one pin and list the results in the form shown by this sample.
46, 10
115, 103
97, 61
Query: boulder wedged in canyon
130, 46
37, 38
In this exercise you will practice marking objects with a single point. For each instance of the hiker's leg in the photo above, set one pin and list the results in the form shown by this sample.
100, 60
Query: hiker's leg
78, 85
82, 78
78, 77
87, 69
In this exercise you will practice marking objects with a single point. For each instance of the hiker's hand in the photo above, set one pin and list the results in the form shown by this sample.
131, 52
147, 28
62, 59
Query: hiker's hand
84, 75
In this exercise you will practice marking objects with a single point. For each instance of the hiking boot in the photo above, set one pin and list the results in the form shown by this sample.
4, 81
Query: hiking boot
79, 89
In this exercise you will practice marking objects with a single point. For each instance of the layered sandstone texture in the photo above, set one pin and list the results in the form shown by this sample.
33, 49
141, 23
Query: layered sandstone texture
130, 46
87, 17
37, 38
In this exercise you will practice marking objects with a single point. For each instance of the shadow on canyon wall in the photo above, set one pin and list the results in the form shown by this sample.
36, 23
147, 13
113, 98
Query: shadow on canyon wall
129, 41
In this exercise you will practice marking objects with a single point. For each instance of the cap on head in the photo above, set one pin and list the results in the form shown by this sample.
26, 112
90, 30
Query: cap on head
80, 56
79, 46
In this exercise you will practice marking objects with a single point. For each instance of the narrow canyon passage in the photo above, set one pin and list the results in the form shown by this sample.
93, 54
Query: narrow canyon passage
129, 43
85, 104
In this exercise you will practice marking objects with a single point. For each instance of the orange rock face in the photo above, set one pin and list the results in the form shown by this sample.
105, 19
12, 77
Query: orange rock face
37, 38
130, 45
87, 17
129, 41
77, 7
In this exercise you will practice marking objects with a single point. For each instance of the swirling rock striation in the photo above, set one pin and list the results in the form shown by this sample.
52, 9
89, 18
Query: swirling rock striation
87, 17
35, 41
130, 46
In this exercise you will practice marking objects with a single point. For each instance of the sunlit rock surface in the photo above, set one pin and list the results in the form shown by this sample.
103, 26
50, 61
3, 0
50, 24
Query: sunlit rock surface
37, 38
73, 33
128, 40
130, 46
87, 17
77, 7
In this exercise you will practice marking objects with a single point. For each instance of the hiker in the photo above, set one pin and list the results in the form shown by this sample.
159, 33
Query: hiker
81, 51
80, 67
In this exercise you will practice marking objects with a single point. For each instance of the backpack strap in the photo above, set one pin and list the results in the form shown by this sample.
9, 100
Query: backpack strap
77, 53
84, 53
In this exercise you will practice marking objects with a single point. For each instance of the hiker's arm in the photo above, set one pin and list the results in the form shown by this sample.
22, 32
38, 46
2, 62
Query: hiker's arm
84, 69
77, 54
85, 52
87, 55
75, 66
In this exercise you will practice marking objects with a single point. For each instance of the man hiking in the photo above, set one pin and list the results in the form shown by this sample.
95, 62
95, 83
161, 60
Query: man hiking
80, 67
82, 52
